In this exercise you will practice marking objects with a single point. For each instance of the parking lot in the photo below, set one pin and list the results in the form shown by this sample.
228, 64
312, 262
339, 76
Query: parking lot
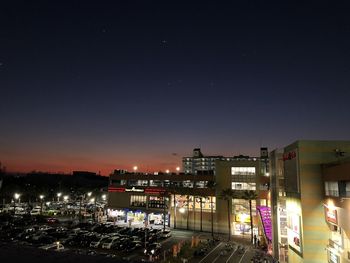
83, 238
120, 242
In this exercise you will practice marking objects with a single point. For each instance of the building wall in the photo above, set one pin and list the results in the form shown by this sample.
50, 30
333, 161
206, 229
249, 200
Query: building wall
224, 180
307, 200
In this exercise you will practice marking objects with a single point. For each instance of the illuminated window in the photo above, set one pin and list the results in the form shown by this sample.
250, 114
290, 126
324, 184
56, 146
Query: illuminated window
243, 170
156, 202
138, 200
331, 188
243, 186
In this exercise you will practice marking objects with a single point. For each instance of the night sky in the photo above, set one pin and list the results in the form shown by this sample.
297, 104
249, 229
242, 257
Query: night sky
95, 85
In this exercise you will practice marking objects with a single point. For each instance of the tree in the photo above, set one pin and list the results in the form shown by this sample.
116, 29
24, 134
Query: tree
212, 185
250, 195
228, 194
165, 195
173, 190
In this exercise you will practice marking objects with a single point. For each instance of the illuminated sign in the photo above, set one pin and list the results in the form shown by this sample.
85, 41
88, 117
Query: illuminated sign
113, 189
331, 215
289, 156
294, 232
154, 191
134, 190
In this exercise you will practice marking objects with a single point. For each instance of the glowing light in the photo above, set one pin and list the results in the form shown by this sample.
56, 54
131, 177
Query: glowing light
182, 210
41, 197
17, 196
167, 171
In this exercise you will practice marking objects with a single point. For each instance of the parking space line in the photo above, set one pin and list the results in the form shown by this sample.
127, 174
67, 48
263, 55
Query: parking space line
243, 255
215, 259
210, 252
231, 255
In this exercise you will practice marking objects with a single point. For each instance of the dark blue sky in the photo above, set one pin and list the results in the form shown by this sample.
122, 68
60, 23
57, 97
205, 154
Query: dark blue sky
101, 85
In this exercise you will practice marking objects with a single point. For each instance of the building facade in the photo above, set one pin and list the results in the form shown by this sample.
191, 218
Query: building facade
301, 199
191, 201
336, 178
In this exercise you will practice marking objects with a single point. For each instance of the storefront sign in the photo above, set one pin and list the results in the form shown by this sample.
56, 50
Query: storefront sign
331, 215
154, 191
134, 190
112, 189
289, 156
294, 235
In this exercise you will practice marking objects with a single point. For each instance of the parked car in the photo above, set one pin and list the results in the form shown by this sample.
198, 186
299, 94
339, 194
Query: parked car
107, 244
165, 234
96, 244
55, 246
153, 249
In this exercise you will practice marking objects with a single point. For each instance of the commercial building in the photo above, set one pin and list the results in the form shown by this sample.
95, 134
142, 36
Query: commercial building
336, 178
188, 201
302, 232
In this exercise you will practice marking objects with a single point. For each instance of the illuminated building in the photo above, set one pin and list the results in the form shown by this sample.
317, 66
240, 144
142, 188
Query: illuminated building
186, 200
336, 177
300, 231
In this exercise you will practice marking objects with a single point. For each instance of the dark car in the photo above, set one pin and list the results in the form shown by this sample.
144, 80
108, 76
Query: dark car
52, 220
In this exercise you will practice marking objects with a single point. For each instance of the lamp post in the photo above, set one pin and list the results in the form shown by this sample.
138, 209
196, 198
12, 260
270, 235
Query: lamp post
58, 196
16, 197
41, 204
93, 201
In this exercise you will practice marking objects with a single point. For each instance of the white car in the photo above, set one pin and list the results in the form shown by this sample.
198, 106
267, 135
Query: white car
55, 246
109, 242
166, 234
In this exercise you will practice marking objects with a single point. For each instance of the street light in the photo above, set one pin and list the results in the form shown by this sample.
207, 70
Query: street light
167, 171
16, 196
92, 200
178, 169
65, 198
41, 203
58, 196
104, 197
89, 194
135, 168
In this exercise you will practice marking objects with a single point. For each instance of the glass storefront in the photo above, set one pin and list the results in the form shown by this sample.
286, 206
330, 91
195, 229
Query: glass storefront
186, 202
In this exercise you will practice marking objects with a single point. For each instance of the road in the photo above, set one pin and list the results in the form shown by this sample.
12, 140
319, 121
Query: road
220, 254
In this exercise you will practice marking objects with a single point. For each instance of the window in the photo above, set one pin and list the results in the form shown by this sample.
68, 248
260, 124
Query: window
138, 200
243, 170
243, 186
331, 188
155, 183
156, 202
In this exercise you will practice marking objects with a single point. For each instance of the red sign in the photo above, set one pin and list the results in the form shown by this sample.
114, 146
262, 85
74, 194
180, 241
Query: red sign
154, 191
289, 156
331, 215
113, 189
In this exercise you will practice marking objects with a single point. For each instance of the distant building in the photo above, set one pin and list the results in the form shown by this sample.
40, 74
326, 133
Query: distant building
199, 162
